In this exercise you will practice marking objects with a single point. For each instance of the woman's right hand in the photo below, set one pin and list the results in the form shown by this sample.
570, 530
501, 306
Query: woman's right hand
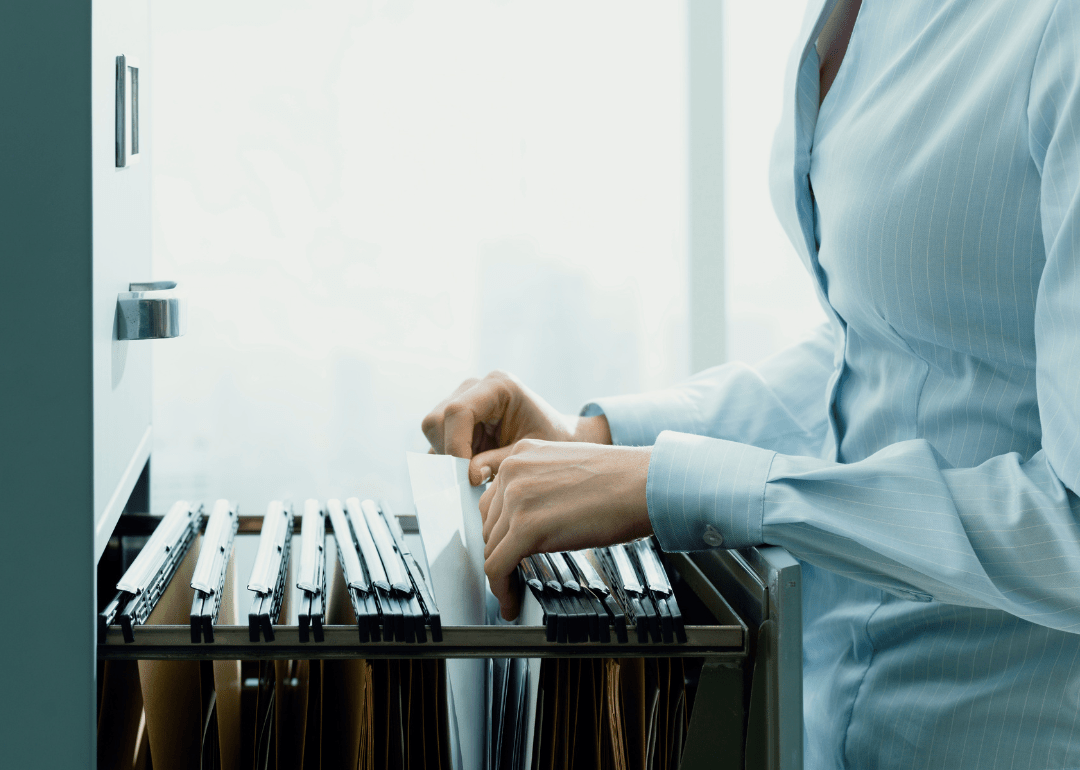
483, 419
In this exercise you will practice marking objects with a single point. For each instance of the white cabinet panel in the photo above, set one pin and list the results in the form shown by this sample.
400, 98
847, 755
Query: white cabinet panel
121, 219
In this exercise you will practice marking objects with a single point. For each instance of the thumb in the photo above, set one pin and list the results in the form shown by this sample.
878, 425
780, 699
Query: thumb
490, 460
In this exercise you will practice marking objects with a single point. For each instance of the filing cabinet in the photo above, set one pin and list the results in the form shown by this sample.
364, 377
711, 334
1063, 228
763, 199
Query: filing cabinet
75, 420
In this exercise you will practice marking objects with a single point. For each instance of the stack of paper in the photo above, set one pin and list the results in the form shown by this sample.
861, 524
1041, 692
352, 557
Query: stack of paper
448, 513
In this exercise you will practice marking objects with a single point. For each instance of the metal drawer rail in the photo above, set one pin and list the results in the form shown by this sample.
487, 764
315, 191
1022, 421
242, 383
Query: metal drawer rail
340, 641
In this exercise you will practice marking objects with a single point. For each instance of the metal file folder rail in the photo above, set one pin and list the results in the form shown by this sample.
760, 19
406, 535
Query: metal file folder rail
331, 653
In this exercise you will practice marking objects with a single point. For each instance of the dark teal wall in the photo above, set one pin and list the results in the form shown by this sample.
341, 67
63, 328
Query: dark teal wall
46, 399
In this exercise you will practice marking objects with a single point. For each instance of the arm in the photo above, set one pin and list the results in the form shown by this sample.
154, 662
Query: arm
483, 420
778, 405
558, 496
1003, 535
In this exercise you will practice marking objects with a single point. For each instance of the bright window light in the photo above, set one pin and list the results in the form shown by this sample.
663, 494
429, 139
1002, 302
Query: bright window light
369, 202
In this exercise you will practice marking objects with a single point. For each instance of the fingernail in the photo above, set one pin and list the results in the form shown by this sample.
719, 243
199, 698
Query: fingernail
485, 475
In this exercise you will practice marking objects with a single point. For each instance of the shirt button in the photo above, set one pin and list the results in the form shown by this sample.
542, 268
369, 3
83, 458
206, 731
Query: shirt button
712, 537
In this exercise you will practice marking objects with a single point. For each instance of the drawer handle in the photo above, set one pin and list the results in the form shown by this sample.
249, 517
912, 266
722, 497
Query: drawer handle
150, 311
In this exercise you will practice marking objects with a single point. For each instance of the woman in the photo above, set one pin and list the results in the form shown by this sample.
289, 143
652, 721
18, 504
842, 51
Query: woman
920, 453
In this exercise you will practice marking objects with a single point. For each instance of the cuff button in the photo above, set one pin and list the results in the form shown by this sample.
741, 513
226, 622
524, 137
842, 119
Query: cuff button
712, 537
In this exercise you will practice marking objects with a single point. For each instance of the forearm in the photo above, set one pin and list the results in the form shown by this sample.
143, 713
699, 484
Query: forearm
781, 404
1003, 535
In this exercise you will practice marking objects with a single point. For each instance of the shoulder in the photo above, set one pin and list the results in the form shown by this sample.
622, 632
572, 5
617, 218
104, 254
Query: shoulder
1054, 96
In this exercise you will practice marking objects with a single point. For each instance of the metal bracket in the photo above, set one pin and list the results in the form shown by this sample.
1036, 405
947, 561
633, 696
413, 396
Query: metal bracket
267, 582
151, 311
312, 578
145, 581
208, 579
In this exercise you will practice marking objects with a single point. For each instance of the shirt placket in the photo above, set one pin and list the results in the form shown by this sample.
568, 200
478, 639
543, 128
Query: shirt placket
806, 101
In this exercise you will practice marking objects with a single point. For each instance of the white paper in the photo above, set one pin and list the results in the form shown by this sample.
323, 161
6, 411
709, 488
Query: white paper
448, 513
531, 615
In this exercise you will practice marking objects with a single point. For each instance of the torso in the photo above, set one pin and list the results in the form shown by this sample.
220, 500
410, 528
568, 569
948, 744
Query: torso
927, 244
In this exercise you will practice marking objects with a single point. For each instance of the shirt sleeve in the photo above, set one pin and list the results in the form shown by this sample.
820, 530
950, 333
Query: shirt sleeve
779, 405
1003, 535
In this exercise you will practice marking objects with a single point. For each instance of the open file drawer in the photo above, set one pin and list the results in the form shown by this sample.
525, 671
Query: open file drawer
742, 648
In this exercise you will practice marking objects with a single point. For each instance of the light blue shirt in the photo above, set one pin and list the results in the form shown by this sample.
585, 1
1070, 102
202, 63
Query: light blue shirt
920, 452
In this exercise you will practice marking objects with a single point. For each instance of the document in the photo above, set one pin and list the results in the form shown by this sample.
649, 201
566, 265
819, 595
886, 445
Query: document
227, 680
448, 512
173, 696
531, 615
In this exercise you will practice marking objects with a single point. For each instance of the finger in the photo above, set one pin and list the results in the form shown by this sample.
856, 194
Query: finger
485, 502
458, 429
486, 464
507, 589
499, 567
486, 401
432, 427
432, 424
497, 527
495, 509
503, 591
514, 606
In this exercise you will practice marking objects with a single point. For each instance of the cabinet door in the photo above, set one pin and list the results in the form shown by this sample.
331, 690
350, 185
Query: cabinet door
121, 243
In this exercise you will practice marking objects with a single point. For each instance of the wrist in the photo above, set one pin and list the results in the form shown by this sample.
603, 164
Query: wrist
638, 502
623, 492
592, 430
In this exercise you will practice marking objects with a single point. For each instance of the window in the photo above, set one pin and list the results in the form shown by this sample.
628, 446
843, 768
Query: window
369, 202
770, 300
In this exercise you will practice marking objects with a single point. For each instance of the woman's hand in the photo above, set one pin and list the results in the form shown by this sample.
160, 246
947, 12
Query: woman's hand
557, 496
483, 419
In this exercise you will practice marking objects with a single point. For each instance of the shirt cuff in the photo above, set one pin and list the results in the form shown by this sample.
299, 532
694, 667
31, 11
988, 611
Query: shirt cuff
638, 419
706, 492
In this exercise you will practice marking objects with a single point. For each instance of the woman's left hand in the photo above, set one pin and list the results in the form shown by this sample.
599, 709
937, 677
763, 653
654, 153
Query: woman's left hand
560, 496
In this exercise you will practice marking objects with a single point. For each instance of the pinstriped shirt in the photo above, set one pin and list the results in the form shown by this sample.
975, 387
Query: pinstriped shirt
920, 453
